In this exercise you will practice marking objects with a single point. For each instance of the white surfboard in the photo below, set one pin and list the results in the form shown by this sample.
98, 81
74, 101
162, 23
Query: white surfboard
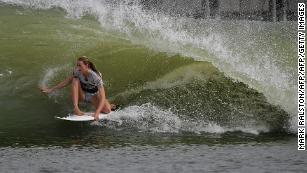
88, 116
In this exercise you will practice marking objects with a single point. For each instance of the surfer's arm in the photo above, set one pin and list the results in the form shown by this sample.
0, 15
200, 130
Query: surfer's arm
102, 97
58, 86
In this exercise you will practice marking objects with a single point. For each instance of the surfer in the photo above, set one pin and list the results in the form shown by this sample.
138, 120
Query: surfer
87, 85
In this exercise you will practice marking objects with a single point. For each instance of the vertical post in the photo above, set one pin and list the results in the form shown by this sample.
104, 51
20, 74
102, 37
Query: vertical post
241, 10
274, 16
218, 15
207, 8
284, 9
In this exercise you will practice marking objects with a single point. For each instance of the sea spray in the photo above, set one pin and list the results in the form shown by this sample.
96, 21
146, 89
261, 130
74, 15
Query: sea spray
151, 118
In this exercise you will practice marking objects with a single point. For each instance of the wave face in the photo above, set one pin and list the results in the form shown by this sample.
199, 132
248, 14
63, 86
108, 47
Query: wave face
171, 72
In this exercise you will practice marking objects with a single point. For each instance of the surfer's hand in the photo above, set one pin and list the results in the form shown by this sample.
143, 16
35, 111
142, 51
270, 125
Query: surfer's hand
96, 117
45, 89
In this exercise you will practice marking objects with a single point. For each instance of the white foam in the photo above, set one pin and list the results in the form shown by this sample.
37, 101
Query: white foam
9, 72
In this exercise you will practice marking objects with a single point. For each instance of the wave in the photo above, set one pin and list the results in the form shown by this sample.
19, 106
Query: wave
256, 53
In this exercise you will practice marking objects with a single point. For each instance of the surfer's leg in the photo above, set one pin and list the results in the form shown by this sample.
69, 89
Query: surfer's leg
106, 107
77, 95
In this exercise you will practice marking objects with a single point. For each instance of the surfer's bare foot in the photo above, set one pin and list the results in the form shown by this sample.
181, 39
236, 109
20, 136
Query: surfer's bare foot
78, 112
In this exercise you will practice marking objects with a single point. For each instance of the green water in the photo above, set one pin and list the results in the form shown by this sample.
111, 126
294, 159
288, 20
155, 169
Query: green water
37, 41
167, 100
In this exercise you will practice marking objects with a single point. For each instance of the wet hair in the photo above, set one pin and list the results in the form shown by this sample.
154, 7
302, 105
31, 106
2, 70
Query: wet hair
86, 61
